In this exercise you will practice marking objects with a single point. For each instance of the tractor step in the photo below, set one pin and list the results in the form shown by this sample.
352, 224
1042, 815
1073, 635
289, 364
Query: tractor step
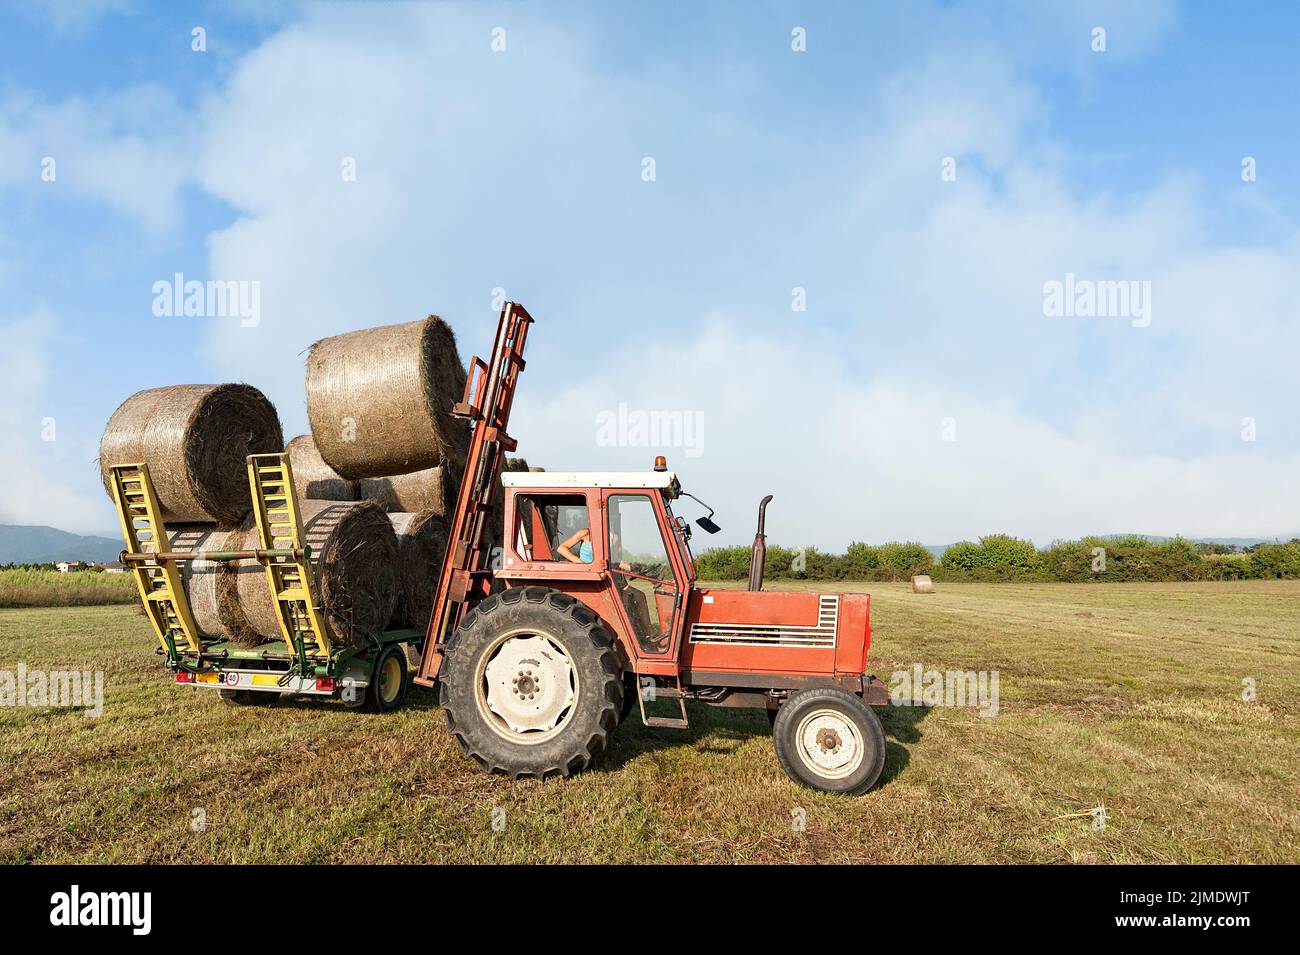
665, 722
668, 693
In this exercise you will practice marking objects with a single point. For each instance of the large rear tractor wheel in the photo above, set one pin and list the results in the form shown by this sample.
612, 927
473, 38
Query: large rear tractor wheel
829, 740
531, 685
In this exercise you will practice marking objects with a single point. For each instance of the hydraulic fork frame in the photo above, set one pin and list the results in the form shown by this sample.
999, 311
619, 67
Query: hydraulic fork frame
466, 568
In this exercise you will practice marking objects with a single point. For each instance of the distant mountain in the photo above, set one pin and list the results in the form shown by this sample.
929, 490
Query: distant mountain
21, 544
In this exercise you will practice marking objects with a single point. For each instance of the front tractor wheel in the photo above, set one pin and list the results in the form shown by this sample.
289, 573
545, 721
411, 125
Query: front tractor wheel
828, 739
531, 685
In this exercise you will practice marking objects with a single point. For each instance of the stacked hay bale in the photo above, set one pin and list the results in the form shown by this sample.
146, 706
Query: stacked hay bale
354, 562
379, 399
313, 478
211, 585
421, 546
379, 403
377, 479
433, 489
194, 439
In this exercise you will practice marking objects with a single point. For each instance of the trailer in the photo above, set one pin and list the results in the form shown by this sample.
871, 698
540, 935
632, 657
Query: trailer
303, 662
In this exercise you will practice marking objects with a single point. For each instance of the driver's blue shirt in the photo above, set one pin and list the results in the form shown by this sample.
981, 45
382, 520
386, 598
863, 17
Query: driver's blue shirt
585, 553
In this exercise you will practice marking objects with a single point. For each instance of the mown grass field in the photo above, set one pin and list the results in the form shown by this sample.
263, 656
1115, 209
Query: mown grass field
1127, 696
25, 587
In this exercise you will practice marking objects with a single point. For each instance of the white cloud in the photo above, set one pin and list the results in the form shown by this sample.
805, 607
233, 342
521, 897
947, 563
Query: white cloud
477, 170
851, 459
132, 150
43, 468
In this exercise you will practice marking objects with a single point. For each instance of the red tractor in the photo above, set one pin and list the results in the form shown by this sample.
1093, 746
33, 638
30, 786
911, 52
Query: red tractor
590, 607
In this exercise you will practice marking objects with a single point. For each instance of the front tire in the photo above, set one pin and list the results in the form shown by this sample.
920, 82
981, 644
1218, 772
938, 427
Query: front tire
829, 740
531, 685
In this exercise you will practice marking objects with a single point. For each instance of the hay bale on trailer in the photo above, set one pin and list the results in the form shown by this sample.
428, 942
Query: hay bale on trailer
194, 439
314, 479
209, 585
433, 489
422, 544
354, 562
498, 521
379, 399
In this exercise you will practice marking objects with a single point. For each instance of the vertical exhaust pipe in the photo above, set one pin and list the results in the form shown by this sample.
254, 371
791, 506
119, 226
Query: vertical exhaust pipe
758, 553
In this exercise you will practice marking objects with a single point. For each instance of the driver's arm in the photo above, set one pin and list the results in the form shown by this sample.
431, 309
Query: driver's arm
574, 540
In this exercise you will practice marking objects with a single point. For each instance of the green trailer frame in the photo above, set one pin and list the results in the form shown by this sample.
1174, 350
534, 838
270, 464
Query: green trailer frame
303, 662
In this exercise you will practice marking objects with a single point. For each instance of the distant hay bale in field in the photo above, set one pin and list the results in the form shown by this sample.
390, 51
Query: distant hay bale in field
314, 479
379, 399
433, 489
194, 439
209, 585
422, 544
921, 584
354, 562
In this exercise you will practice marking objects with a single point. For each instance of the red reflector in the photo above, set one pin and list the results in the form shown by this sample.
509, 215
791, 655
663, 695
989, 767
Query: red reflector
183, 677
325, 684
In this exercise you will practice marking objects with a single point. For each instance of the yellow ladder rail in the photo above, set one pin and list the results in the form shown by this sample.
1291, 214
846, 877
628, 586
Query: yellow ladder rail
159, 583
279, 527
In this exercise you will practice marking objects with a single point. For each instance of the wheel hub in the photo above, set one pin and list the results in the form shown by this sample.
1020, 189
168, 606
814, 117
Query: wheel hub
530, 684
829, 744
828, 740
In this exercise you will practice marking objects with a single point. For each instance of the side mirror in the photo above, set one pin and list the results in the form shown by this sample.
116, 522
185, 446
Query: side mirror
708, 525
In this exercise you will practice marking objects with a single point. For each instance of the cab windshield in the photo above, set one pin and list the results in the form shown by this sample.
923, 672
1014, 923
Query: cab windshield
680, 542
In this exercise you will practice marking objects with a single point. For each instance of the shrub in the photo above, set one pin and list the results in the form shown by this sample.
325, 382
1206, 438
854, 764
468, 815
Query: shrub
1000, 557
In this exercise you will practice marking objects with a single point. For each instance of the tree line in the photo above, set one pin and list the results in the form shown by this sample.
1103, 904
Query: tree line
1003, 558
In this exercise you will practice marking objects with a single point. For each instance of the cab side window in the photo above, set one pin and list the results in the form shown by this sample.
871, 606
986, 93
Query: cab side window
553, 527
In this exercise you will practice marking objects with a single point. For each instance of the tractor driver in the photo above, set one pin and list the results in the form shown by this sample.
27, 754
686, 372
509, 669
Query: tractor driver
581, 538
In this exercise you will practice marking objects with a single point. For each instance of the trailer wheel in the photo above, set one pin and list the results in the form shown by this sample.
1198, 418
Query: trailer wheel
247, 697
531, 685
829, 740
387, 687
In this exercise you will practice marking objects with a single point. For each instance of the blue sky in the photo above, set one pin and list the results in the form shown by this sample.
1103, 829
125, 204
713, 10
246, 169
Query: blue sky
923, 394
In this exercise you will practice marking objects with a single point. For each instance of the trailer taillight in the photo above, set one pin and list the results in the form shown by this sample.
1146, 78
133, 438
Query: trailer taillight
183, 677
325, 684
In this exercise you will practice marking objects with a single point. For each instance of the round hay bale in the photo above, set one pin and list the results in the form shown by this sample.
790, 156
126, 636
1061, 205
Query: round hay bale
498, 521
194, 439
313, 478
354, 562
433, 489
921, 584
379, 399
422, 544
210, 585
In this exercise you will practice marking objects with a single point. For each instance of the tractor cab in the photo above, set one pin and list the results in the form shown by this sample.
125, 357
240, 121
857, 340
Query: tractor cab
614, 542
